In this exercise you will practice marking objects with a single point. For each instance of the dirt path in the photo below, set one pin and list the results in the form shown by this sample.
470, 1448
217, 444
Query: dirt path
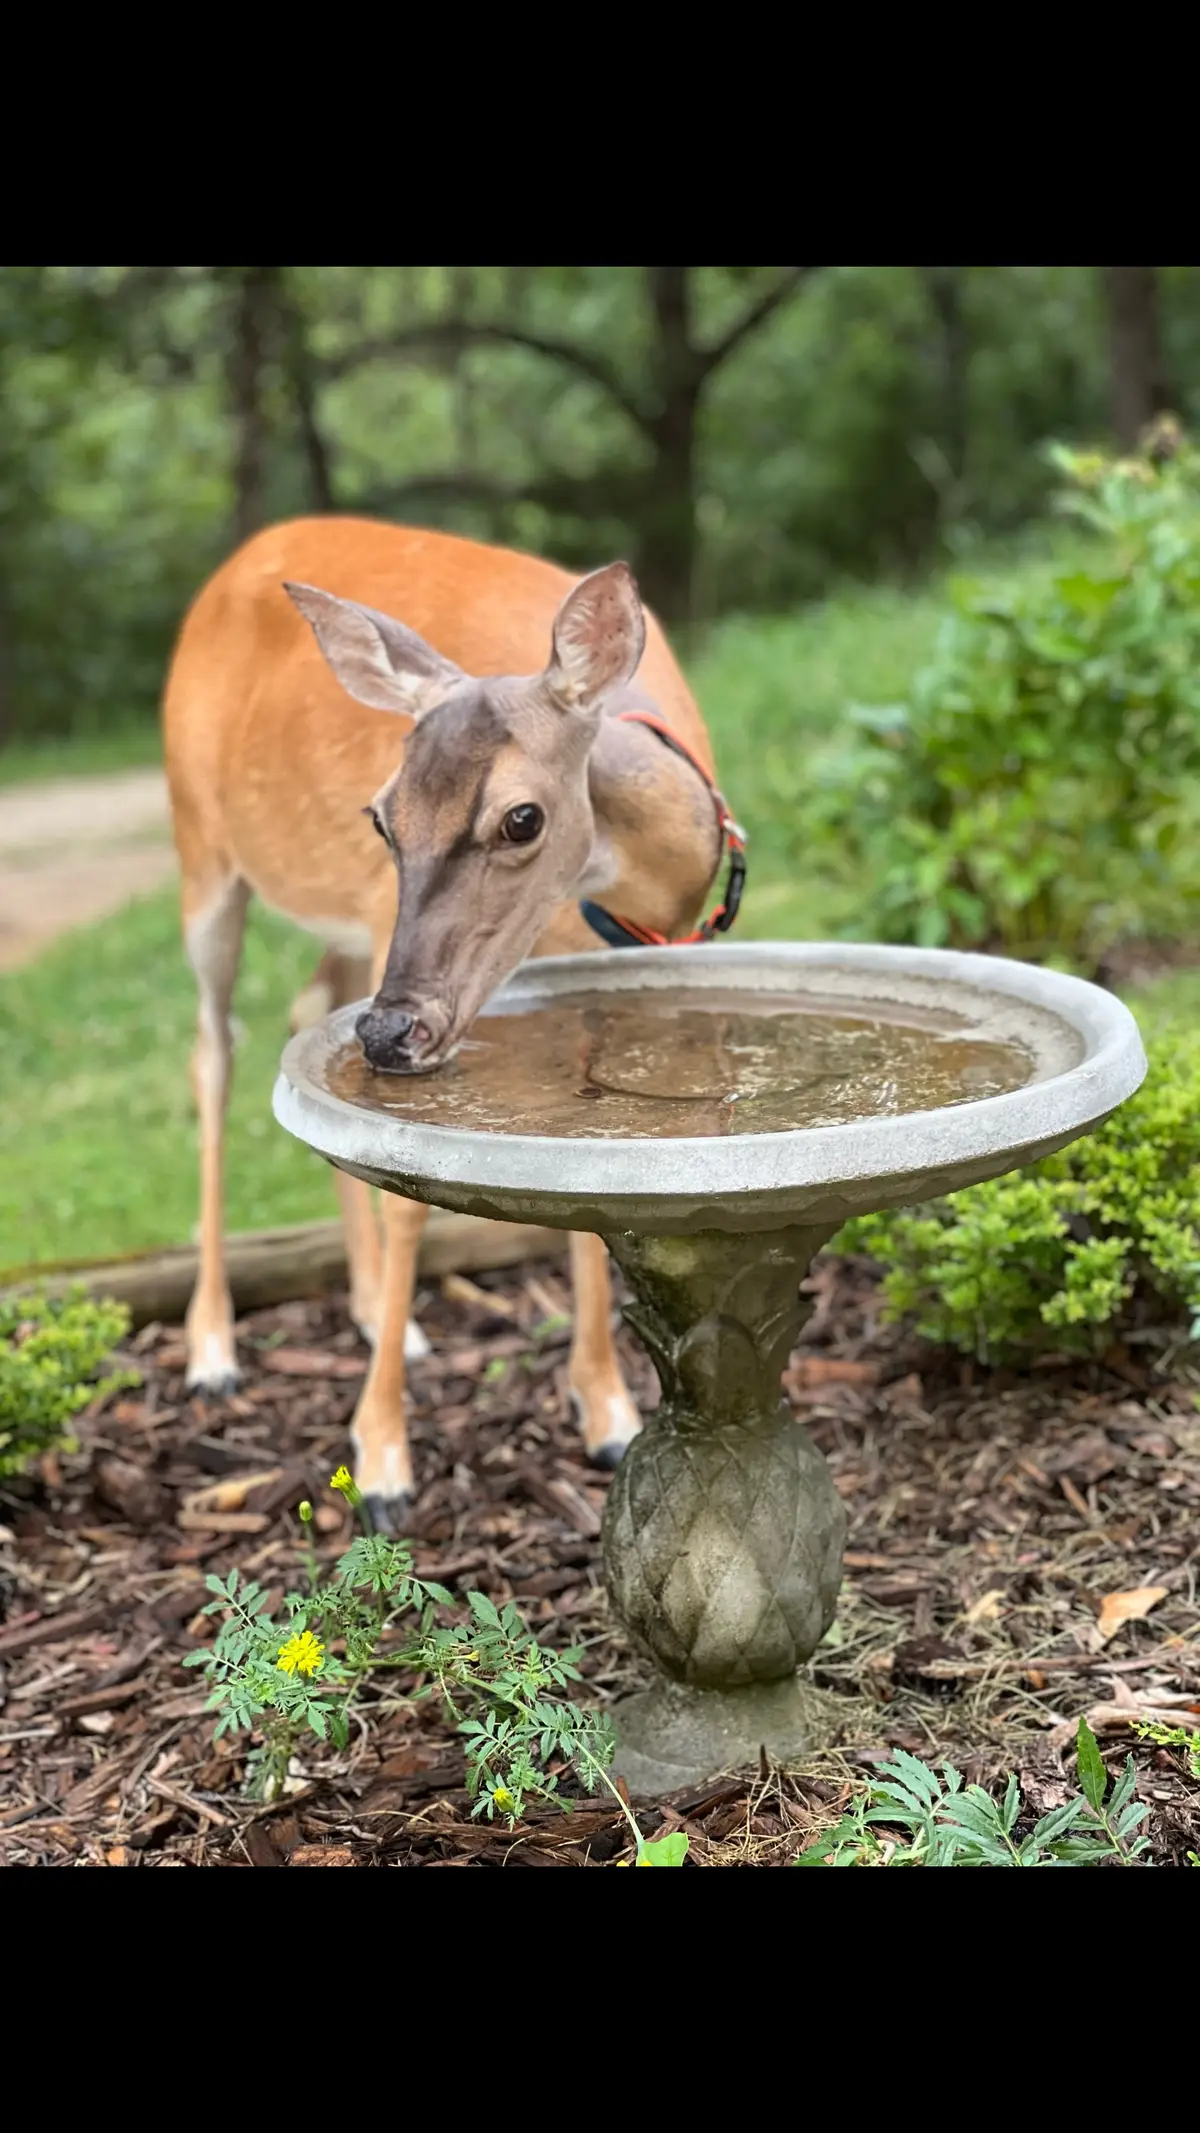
76, 849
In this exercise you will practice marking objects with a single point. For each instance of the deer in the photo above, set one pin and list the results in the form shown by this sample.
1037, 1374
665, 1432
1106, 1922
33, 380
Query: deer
430, 753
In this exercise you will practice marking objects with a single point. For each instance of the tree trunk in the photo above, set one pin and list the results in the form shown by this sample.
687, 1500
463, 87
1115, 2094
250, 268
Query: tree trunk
462, 394
944, 285
298, 369
1139, 385
254, 304
667, 533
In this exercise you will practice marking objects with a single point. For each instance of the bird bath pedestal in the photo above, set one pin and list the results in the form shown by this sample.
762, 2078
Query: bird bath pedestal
723, 1533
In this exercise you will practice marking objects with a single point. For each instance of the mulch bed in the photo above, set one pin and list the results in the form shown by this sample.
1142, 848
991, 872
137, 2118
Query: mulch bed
991, 1514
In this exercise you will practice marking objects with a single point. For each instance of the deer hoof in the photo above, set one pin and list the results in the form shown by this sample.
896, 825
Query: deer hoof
390, 1514
622, 1424
609, 1455
214, 1371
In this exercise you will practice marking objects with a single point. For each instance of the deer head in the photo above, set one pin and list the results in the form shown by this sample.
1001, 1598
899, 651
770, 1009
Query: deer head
489, 818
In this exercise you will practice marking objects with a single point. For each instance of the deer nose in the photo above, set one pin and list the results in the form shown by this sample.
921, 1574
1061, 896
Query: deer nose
383, 1033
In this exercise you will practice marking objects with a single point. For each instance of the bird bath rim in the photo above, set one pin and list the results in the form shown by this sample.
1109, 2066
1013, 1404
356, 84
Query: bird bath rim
1087, 1053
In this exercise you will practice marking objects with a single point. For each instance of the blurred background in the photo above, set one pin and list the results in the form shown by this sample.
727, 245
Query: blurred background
925, 541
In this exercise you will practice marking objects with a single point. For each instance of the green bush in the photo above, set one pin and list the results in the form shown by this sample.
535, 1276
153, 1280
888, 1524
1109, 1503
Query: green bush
1033, 795
1056, 1256
50, 1352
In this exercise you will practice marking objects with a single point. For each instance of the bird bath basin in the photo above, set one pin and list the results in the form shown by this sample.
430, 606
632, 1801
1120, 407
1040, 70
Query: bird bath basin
716, 1114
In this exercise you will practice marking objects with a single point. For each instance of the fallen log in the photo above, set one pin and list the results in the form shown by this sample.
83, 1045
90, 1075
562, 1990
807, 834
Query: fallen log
273, 1266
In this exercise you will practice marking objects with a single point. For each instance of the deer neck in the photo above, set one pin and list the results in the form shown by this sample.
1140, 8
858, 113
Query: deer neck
657, 844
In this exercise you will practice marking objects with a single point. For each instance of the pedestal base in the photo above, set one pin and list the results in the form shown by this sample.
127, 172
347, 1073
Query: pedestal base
674, 1735
723, 1532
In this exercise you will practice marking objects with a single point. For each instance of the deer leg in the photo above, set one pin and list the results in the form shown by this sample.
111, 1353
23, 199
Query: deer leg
337, 980
364, 1252
213, 929
383, 1465
322, 993
379, 1431
599, 1394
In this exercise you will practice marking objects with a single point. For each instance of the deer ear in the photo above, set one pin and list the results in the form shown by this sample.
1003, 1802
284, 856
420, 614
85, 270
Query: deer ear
599, 637
377, 660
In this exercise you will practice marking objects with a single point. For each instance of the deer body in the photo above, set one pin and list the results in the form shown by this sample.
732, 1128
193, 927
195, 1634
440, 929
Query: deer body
423, 713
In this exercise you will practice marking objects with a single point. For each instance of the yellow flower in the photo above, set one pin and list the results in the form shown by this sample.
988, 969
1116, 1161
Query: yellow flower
302, 1654
504, 1799
346, 1486
306, 1512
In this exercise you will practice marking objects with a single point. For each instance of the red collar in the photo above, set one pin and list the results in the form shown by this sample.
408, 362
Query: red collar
624, 932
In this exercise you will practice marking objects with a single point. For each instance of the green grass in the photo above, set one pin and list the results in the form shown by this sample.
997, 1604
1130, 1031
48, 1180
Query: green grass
771, 691
97, 1141
122, 747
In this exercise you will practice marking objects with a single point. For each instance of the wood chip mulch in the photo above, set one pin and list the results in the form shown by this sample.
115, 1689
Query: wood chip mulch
992, 1515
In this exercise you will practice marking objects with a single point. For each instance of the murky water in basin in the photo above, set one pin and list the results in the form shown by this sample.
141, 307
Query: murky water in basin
673, 1065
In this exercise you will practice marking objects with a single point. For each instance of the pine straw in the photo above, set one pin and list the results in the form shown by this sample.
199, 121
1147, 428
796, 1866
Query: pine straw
989, 1517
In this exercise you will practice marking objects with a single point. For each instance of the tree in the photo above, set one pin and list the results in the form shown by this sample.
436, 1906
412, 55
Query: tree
252, 309
945, 290
747, 436
659, 402
1138, 373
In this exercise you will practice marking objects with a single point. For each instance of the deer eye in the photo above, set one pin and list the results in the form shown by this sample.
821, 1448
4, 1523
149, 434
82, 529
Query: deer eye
522, 824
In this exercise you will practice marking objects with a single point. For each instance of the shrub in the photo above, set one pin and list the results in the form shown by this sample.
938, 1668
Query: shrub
50, 1352
1031, 795
1056, 1255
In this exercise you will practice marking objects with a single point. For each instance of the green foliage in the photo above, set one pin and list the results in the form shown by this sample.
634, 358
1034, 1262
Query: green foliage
1057, 1255
1185, 1737
112, 483
671, 1850
949, 1824
1033, 792
50, 1352
281, 1676
850, 434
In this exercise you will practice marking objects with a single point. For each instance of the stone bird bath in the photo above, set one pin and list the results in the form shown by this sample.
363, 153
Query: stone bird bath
716, 1114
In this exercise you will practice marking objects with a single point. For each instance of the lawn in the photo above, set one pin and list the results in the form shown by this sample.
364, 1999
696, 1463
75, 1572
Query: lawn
96, 1133
96, 1126
124, 746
